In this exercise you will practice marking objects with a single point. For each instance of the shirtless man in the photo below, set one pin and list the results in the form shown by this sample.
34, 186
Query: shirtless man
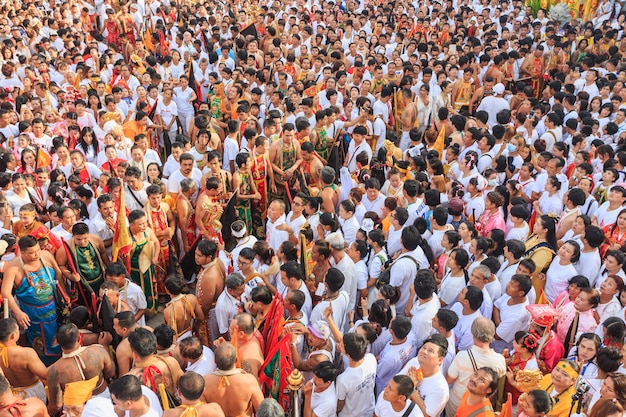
166, 344
190, 388
182, 308
210, 284
124, 323
408, 118
81, 372
330, 191
248, 346
12, 405
237, 392
21, 365
150, 368
34, 268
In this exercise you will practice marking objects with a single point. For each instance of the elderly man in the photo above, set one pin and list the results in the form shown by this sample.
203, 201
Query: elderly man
229, 303
237, 392
479, 355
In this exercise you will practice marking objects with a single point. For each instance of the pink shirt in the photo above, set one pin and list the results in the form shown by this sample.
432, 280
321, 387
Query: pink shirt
488, 221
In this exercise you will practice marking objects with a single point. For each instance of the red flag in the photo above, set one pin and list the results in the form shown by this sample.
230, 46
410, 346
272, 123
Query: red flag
277, 351
274, 323
276, 370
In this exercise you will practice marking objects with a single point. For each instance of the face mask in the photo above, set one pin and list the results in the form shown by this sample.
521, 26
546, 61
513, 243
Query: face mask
510, 147
492, 183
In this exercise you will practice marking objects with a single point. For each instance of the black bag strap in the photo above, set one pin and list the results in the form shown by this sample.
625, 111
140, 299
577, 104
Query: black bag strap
408, 411
471, 356
135, 197
407, 257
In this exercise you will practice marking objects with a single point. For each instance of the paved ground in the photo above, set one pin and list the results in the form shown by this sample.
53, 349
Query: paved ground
155, 321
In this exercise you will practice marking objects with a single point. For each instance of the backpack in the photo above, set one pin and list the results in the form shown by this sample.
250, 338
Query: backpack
385, 277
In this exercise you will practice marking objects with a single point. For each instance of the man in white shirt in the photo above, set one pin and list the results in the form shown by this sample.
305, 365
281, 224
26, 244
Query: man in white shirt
396, 353
274, 234
394, 400
186, 170
231, 147
68, 219
467, 309
229, 303
432, 392
425, 307
405, 267
357, 145
373, 200
103, 224
494, 104
199, 358
345, 264
356, 384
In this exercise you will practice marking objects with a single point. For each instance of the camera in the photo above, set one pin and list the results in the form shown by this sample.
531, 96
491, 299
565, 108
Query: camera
582, 387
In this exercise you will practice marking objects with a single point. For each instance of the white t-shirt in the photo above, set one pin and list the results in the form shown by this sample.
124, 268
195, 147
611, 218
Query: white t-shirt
205, 365
173, 182
422, 318
231, 149
391, 360
434, 390
384, 409
355, 386
324, 404
450, 288
606, 216
135, 298
167, 112
513, 319
520, 233
557, 277
463, 329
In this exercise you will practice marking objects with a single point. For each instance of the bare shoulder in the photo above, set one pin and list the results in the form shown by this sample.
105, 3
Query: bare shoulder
211, 410
172, 362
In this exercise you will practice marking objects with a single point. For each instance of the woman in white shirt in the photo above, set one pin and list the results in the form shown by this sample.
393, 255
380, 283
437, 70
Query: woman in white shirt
359, 252
378, 259
550, 202
347, 220
561, 270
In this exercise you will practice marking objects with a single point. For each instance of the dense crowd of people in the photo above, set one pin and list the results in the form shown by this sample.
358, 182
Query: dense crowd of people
353, 209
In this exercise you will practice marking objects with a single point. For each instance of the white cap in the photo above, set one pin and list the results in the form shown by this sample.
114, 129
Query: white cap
498, 89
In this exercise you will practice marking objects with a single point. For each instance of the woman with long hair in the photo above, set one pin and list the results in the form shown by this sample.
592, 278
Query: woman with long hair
88, 144
540, 248
455, 279
585, 353
28, 162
